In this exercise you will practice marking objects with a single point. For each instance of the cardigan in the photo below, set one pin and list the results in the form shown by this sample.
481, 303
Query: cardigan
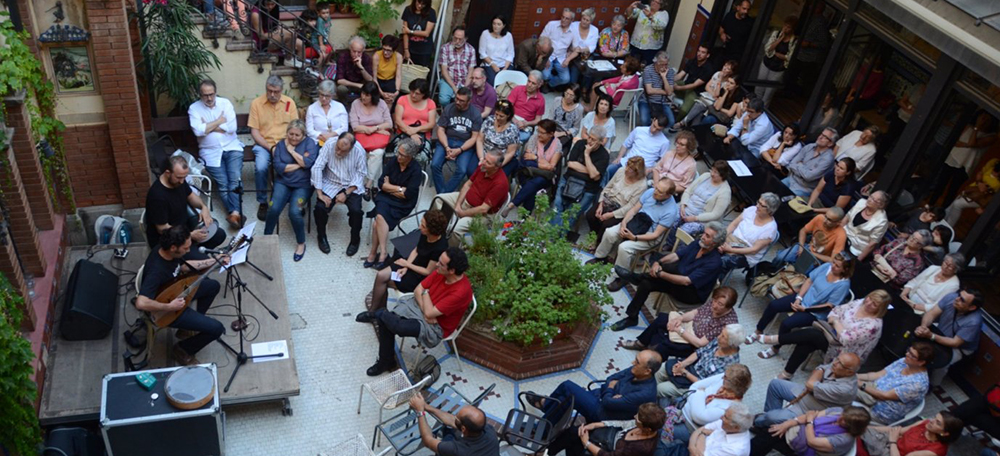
866, 233
924, 290
621, 192
716, 206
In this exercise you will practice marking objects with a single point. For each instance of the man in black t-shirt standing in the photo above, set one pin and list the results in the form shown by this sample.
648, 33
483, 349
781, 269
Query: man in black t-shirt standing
735, 31
161, 268
477, 437
167, 206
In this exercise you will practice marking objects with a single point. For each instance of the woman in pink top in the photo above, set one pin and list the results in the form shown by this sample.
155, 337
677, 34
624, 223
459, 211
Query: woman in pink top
538, 165
614, 87
416, 113
678, 165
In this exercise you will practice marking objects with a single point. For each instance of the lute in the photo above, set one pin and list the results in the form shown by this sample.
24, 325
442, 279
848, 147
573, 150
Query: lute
185, 287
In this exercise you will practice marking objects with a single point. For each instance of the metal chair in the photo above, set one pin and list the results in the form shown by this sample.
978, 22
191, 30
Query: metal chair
402, 431
682, 238
355, 446
532, 432
628, 106
391, 391
753, 270
420, 191
454, 334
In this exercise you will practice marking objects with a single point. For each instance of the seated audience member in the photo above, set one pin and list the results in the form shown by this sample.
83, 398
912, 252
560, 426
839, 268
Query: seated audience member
585, 39
637, 436
825, 235
269, 117
529, 104
567, 112
924, 291
826, 288
688, 275
161, 268
677, 375
496, 48
654, 215
399, 188
431, 313
904, 257
599, 117
959, 326
836, 188
537, 168
586, 165
750, 233
647, 142
658, 90
293, 158
806, 170
680, 335
678, 164
716, 90
326, 119
457, 132
858, 145
705, 200
389, 69
941, 236
618, 398
691, 80
865, 224
213, 122
830, 385
417, 265
562, 37
618, 197
729, 436
615, 87
484, 193
892, 392
977, 194
752, 129
711, 398
920, 218
499, 133
930, 437
167, 204
613, 42
455, 63
484, 96
354, 69
782, 147
778, 51
372, 127
857, 327
982, 412
533, 54
477, 437
338, 175
416, 114
833, 432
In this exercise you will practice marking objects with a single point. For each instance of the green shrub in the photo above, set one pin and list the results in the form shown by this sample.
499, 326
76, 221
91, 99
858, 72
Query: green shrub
19, 429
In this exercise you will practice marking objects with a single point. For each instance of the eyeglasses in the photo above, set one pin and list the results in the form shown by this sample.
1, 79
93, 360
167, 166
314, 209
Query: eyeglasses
828, 138
682, 143
208, 95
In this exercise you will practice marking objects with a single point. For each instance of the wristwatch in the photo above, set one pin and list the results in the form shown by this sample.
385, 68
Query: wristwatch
680, 330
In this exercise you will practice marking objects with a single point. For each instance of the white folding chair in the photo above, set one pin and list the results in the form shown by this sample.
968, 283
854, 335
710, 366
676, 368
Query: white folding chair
197, 178
915, 413
391, 391
627, 106
454, 334
514, 76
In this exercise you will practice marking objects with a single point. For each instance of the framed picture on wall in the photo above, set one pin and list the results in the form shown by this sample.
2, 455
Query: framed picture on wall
71, 66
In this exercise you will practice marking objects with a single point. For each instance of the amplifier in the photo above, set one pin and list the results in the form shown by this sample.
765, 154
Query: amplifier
137, 421
91, 298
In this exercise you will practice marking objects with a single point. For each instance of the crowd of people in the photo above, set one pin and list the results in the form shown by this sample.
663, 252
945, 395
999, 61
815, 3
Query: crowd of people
367, 138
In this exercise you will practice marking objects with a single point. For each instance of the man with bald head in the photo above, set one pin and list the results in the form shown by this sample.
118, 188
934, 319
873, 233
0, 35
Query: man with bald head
830, 385
477, 437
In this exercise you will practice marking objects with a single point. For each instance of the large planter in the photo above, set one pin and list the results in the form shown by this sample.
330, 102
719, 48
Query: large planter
567, 351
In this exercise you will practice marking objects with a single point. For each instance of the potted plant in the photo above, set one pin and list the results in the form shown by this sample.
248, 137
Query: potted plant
372, 15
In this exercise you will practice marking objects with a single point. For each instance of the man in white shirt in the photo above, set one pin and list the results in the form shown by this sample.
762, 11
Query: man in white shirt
338, 175
562, 36
650, 143
751, 130
213, 122
729, 436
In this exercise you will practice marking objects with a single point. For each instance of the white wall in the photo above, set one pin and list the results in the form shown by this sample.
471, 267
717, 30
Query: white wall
682, 28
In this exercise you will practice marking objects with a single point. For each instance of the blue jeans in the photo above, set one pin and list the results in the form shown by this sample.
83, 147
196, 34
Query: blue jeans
261, 166
281, 195
208, 328
778, 391
587, 403
445, 93
648, 111
561, 206
733, 261
461, 166
789, 255
529, 188
556, 74
491, 75
788, 183
227, 178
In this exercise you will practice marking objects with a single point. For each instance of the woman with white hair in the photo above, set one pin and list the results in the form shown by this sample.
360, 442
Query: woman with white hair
751, 233
326, 118
924, 291
613, 42
676, 376
729, 435
866, 223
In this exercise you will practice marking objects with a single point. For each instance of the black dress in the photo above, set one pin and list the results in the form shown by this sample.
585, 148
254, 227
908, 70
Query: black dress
393, 209
426, 251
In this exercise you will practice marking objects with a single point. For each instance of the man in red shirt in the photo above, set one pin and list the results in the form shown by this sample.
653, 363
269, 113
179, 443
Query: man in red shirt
432, 313
484, 193
529, 104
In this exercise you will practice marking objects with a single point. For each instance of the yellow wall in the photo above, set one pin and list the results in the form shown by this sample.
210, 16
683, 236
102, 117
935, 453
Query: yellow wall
682, 28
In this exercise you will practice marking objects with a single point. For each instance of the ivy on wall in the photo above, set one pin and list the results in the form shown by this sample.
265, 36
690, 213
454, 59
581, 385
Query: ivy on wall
19, 430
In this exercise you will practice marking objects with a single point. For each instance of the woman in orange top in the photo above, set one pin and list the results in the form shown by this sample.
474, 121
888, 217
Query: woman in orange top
929, 437
416, 113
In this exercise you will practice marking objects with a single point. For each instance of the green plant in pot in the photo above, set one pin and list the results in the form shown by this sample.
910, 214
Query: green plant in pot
529, 283
372, 15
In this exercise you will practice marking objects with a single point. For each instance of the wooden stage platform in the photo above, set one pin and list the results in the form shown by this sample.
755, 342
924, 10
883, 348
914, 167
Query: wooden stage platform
75, 368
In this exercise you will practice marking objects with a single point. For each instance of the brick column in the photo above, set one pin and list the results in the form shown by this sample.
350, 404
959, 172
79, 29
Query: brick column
22, 225
28, 163
27, 20
119, 89
8, 259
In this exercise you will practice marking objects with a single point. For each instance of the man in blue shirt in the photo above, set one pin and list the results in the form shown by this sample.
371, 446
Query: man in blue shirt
750, 131
687, 275
959, 324
618, 398
658, 205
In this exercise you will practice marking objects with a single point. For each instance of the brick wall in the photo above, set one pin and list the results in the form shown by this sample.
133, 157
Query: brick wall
32, 176
529, 22
92, 173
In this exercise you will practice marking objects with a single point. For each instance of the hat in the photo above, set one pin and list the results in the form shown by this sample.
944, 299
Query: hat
799, 204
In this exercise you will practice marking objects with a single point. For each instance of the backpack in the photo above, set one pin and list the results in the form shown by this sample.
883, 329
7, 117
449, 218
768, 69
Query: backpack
111, 229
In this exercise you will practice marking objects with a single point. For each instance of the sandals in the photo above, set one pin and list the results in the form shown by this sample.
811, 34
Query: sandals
752, 339
769, 353
633, 345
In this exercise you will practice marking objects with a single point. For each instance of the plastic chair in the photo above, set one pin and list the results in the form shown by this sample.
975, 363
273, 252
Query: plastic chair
534, 433
197, 178
915, 413
628, 106
454, 334
514, 76
391, 391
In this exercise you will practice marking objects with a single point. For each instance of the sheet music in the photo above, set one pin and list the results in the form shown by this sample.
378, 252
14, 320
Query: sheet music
601, 65
739, 168
240, 255
395, 276
269, 348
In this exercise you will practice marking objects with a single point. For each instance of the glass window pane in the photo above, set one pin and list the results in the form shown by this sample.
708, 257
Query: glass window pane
915, 42
981, 85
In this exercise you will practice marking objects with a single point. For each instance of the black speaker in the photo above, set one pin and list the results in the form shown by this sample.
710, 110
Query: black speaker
91, 298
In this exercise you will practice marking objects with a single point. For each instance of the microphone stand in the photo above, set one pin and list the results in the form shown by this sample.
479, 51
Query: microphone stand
239, 190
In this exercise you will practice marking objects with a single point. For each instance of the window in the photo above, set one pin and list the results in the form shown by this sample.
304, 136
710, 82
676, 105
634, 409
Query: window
914, 42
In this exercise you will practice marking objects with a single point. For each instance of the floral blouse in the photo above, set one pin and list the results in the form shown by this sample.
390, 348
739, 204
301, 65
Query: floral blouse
860, 334
567, 120
709, 327
910, 389
907, 266
648, 33
708, 364
498, 140
607, 43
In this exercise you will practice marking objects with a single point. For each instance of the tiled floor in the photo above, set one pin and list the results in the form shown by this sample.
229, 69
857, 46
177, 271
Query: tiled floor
332, 352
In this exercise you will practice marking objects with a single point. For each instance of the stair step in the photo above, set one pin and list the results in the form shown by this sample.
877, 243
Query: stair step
262, 58
283, 71
239, 45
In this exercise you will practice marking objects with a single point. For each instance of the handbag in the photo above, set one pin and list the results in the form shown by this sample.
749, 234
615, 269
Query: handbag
640, 223
675, 336
828, 332
574, 189
604, 437
532, 171
411, 72
610, 206
372, 141
881, 267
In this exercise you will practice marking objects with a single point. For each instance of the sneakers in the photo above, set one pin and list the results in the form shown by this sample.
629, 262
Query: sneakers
262, 212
